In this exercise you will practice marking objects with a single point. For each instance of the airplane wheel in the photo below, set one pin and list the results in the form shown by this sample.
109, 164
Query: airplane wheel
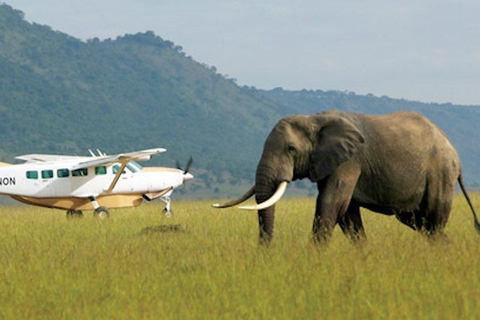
168, 213
102, 213
72, 214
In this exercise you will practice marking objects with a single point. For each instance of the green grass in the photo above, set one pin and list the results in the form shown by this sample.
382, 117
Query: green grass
205, 263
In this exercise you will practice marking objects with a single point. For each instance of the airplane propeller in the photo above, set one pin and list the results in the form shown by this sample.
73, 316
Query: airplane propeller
186, 176
187, 168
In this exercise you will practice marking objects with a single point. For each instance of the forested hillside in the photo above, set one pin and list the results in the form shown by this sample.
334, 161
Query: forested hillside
59, 94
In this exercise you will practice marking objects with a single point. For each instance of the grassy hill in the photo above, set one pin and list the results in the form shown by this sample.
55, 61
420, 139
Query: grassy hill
59, 94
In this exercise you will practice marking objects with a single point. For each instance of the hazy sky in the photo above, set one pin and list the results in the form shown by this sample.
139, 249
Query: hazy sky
417, 49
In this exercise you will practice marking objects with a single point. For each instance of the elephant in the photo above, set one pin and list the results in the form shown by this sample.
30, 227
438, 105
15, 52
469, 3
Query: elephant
395, 164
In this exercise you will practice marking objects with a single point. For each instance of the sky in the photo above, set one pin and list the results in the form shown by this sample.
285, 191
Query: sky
418, 50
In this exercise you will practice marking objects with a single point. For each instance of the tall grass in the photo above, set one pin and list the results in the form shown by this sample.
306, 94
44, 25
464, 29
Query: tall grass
206, 263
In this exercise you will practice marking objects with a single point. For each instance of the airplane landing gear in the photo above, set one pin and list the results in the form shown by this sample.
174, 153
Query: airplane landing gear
72, 214
102, 213
167, 211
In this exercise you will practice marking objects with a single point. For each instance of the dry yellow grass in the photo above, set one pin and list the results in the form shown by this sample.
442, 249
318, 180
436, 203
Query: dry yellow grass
206, 263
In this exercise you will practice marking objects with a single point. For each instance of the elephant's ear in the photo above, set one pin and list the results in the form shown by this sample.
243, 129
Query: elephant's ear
337, 141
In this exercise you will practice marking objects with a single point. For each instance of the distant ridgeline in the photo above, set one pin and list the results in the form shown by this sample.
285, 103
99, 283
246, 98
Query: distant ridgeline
460, 123
62, 95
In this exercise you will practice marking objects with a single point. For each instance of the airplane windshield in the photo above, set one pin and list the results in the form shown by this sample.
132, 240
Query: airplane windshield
134, 166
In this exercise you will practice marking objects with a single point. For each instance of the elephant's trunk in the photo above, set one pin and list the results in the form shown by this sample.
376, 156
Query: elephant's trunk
266, 217
264, 189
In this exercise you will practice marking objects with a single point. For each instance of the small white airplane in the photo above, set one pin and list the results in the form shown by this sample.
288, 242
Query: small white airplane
96, 182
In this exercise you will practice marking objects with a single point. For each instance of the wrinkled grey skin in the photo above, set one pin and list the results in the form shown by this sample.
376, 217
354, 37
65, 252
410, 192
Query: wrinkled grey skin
397, 164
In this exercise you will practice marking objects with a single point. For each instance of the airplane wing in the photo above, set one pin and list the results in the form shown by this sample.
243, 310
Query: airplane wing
123, 158
44, 157
85, 162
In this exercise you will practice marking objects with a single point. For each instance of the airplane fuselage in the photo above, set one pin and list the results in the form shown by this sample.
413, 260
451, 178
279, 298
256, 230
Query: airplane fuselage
52, 184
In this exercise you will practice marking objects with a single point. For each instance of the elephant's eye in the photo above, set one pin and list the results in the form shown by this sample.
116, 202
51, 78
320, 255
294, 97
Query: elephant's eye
292, 149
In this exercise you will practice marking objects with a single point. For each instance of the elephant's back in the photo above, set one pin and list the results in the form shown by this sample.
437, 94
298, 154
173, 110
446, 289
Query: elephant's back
406, 133
403, 152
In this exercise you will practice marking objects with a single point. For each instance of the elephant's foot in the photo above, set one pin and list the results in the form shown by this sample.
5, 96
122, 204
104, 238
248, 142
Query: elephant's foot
437, 237
321, 238
265, 238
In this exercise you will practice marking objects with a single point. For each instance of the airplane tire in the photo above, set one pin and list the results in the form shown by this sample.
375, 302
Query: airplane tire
167, 213
102, 213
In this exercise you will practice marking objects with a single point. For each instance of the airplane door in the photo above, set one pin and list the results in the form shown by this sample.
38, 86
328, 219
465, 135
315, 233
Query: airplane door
30, 185
126, 183
129, 182
46, 183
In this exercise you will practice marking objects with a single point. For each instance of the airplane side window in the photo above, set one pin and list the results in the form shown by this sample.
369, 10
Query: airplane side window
100, 170
116, 168
63, 173
32, 174
80, 172
47, 174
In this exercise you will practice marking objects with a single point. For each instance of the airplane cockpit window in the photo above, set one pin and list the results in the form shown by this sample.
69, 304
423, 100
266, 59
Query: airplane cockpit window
32, 174
80, 172
116, 168
63, 173
135, 164
132, 167
47, 174
100, 170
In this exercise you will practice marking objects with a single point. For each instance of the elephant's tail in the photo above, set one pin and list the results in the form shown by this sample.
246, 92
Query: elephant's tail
464, 190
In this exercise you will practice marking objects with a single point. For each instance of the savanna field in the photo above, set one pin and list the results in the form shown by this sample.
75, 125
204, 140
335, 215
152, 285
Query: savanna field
206, 263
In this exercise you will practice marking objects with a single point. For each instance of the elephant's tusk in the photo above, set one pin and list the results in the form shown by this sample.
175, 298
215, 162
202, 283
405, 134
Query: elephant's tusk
273, 199
234, 202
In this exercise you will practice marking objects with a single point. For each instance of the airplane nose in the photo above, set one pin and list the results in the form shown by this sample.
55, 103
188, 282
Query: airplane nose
187, 177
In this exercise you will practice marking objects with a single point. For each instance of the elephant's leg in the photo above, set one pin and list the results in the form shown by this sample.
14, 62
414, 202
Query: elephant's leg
408, 219
436, 217
436, 206
334, 197
351, 222
324, 221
